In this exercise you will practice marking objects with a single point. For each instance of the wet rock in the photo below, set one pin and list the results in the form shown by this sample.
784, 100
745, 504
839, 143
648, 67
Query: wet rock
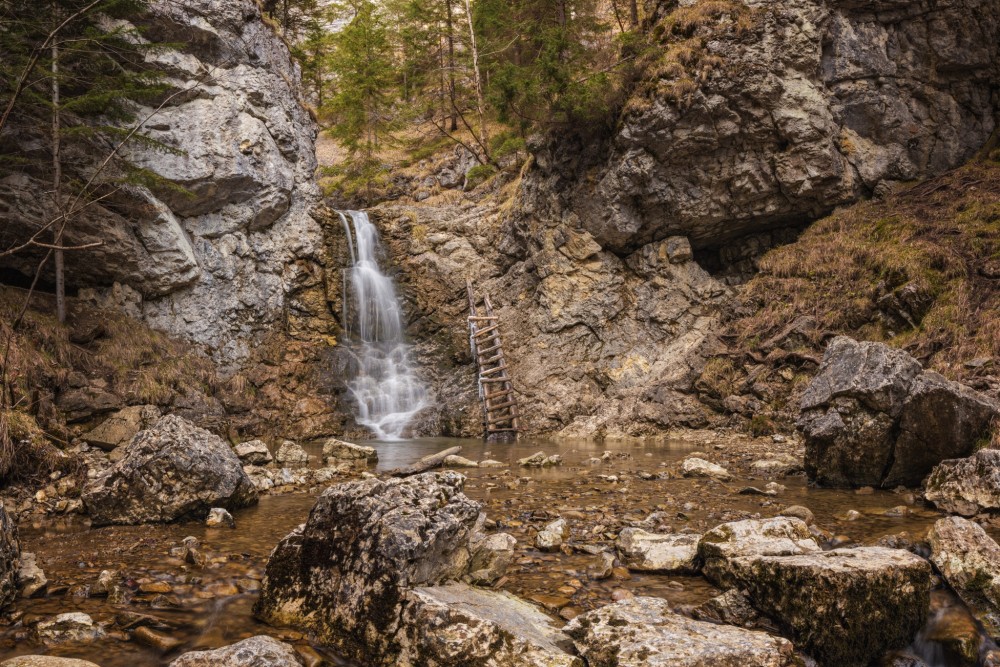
540, 460
775, 467
338, 450
119, 429
459, 626
799, 512
872, 416
779, 536
30, 577
695, 467
219, 518
344, 575
491, 556
69, 627
261, 478
455, 461
171, 471
644, 632
157, 640
843, 607
10, 552
969, 560
291, 454
966, 486
552, 535
253, 452
45, 661
491, 463
259, 651
642, 551
730, 608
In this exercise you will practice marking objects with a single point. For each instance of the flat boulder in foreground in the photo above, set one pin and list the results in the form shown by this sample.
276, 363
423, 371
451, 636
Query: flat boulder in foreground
171, 471
845, 607
644, 632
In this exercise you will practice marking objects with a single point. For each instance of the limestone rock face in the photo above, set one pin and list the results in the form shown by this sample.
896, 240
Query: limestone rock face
779, 536
173, 470
259, 651
966, 486
221, 253
644, 632
345, 574
970, 562
873, 417
818, 106
843, 607
10, 553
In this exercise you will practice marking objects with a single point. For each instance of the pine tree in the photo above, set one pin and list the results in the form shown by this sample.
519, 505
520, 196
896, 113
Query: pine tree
73, 75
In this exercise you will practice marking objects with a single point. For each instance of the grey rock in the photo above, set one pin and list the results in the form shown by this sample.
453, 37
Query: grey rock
70, 627
290, 453
644, 632
45, 661
454, 461
651, 552
730, 608
121, 427
173, 470
259, 651
458, 626
338, 450
345, 574
778, 536
552, 535
843, 607
218, 518
696, 467
872, 417
491, 556
966, 486
253, 452
969, 560
30, 578
10, 552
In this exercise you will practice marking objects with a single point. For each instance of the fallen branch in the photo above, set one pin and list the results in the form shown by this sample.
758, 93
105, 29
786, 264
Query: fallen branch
426, 463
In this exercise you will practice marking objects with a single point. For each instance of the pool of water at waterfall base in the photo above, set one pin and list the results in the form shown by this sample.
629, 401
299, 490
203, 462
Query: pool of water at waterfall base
211, 606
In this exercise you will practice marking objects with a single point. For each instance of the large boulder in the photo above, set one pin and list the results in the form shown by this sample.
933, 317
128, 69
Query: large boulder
644, 632
966, 486
173, 470
344, 576
845, 607
259, 651
969, 560
873, 417
121, 427
10, 554
778, 536
460, 626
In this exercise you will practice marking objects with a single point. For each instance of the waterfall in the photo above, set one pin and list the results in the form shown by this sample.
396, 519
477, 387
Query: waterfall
385, 387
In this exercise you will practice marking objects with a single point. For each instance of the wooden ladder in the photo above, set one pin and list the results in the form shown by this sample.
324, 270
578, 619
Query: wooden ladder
500, 415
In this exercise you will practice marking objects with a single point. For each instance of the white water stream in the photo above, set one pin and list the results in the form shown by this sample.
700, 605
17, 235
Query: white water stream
385, 387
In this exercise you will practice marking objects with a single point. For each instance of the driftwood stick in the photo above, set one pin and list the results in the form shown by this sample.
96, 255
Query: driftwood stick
426, 463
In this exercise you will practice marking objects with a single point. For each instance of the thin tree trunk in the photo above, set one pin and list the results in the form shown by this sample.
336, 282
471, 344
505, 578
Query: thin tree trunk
484, 139
451, 67
633, 13
57, 190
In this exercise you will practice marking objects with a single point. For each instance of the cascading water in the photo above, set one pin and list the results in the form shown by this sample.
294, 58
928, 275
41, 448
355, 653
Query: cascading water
385, 387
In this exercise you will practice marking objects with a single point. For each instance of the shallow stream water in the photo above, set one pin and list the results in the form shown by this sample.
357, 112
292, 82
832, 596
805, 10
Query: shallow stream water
211, 606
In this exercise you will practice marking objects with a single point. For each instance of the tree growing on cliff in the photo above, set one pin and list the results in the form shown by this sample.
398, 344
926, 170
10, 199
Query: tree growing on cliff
72, 78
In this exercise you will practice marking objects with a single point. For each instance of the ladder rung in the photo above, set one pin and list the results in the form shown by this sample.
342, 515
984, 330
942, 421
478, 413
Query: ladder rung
496, 430
499, 394
482, 317
491, 360
494, 380
486, 330
489, 349
491, 371
500, 406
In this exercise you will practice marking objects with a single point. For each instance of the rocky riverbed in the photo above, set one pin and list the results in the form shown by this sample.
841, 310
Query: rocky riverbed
587, 523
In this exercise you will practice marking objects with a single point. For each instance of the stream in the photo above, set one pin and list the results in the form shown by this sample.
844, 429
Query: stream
600, 488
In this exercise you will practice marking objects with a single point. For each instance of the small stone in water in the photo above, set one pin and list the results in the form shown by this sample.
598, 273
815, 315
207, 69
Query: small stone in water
620, 594
157, 640
219, 517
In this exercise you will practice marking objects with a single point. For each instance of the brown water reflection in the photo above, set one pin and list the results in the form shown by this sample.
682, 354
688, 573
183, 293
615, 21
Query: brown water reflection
210, 606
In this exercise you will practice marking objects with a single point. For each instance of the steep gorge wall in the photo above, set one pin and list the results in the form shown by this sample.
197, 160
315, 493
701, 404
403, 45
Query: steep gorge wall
608, 319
